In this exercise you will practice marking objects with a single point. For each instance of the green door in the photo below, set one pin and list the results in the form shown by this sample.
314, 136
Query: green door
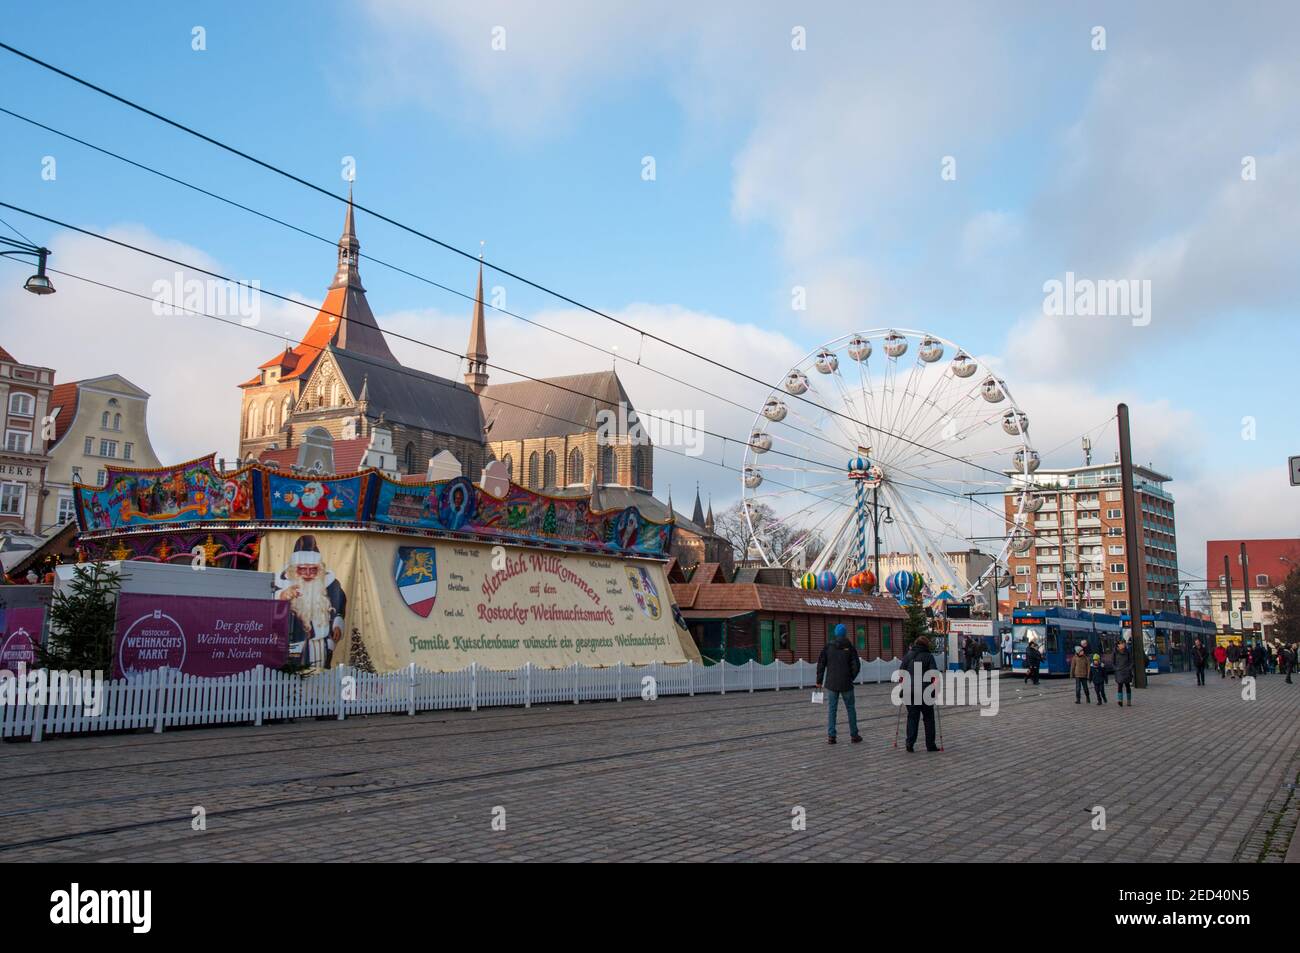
765, 647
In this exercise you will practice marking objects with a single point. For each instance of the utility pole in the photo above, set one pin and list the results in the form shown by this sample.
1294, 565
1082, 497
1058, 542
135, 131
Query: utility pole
1245, 589
1227, 581
1133, 549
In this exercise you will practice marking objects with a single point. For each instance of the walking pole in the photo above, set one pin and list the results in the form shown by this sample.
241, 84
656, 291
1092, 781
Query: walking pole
897, 721
938, 723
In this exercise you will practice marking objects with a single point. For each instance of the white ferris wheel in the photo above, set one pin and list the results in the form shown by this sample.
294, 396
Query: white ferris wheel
888, 440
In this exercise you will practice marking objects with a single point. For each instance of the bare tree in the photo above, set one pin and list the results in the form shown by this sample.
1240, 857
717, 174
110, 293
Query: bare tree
777, 536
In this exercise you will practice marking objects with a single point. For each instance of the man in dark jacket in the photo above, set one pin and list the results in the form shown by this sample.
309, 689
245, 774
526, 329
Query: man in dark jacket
1033, 659
1234, 658
1200, 658
837, 667
1123, 672
918, 660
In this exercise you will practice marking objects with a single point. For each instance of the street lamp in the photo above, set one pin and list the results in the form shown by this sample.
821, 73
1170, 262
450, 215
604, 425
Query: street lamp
39, 283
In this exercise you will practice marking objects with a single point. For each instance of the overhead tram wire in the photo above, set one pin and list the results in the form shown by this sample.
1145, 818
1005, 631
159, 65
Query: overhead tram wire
389, 265
394, 334
452, 248
411, 372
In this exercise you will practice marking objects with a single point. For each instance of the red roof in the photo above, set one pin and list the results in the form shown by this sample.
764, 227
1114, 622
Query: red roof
6, 356
64, 396
348, 455
731, 597
1264, 557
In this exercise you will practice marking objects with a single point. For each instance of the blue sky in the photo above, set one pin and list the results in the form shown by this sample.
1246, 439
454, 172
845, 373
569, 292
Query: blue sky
774, 168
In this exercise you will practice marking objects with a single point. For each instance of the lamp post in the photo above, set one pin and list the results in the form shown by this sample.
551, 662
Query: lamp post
875, 531
39, 283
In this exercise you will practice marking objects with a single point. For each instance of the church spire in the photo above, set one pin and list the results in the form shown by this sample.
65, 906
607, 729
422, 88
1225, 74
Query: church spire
697, 515
708, 518
349, 273
476, 375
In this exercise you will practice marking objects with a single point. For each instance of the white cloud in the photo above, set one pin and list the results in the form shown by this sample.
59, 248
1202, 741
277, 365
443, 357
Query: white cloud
189, 365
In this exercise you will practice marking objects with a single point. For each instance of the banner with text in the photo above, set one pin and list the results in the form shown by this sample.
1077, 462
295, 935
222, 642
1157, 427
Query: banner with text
444, 604
198, 635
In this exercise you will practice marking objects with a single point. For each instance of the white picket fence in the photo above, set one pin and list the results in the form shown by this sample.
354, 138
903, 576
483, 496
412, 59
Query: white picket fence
166, 698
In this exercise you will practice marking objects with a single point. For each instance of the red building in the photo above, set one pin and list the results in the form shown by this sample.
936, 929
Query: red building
1268, 562
740, 621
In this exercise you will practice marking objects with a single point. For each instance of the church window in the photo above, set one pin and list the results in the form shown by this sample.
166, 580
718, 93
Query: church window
549, 471
254, 420
532, 470
288, 409
638, 468
408, 459
270, 416
575, 466
608, 467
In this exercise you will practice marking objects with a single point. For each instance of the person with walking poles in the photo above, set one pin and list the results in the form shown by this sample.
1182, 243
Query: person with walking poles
1199, 659
1098, 674
1123, 672
1220, 659
1079, 672
837, 667
1033, 659
916, 663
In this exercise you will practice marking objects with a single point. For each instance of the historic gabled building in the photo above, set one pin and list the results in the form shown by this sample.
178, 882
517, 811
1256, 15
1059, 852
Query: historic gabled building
343, 378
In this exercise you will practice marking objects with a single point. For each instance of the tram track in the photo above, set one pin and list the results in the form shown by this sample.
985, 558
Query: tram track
340, 795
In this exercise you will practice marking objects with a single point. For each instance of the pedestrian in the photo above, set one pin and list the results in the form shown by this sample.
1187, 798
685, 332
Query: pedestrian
1079, 672
1006, 650
1097, 673
1289, 661
1123, 672
970, 653
1234, 658
976, 652
1199, 659
837, 667
1220, 659
918, 661
1033, 659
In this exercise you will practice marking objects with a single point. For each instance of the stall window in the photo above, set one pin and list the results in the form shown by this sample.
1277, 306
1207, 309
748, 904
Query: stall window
885, 641
862, 636
783, 636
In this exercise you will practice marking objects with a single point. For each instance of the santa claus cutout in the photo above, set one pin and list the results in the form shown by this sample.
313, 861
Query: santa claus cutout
318, 604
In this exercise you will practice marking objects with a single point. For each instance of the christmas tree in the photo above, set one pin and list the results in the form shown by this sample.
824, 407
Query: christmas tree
548, 524
916, 625
83, 621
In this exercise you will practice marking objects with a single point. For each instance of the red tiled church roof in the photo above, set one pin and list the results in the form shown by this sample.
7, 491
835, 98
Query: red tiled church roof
64, 396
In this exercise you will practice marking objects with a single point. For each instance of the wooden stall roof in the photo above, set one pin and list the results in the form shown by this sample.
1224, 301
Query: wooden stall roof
730, 597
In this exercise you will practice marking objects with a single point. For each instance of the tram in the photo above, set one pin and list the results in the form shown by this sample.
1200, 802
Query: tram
1167, 639
1057, 630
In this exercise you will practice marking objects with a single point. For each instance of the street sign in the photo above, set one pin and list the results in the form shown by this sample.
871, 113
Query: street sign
1295, 470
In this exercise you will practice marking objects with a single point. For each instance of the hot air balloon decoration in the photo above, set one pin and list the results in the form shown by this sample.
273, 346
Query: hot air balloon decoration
807, 581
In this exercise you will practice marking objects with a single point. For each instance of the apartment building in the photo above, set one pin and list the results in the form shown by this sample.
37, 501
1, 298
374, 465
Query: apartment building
1078, 556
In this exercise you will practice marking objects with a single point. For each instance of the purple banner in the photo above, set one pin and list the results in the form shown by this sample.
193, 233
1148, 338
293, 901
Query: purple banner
199, 635
22, 633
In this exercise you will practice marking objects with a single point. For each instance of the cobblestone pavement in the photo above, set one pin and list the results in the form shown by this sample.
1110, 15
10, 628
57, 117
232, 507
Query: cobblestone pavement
1190, 774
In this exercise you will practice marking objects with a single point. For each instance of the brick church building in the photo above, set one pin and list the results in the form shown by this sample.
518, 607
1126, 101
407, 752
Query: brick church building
342, 377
